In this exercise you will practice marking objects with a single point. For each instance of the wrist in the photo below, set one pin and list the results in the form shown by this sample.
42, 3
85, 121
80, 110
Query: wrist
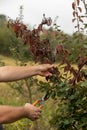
37, 70
24, 112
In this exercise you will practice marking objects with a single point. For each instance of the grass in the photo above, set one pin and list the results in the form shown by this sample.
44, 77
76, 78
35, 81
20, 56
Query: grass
6, 92
7, 60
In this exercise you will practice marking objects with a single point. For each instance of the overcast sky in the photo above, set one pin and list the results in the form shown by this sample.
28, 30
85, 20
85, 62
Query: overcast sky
34, 9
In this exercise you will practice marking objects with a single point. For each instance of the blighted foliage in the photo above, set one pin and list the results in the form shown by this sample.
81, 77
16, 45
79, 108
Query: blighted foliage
67, 82
76, 13
79, 15
40, 49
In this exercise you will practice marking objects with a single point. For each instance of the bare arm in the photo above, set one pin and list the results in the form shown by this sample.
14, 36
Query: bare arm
13, 73
9, 114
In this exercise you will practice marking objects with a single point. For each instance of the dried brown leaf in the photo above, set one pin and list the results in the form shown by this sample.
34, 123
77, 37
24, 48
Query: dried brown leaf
80, 9
73, 19
78, 2
59, 48
81, 20
74, 13
82, 29
73, 5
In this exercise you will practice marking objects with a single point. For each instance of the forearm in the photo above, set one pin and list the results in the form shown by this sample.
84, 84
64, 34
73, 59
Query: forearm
10, 114
13, 73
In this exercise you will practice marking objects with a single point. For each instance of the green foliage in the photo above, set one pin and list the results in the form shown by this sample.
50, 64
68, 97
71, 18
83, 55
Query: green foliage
4, 36
71, 113
18, 51
71, 101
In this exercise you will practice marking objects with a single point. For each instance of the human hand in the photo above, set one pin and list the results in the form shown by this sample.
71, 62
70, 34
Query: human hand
44, 69
32, 112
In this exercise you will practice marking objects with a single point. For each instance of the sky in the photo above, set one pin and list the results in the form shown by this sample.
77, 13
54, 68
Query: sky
33, 11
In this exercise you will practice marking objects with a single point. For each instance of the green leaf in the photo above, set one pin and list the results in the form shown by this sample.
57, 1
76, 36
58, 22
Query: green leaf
72, 97
66, 122
84, 84
85, 46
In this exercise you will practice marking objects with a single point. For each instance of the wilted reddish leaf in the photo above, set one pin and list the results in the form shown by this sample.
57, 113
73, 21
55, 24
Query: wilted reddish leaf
72, 81
73, 5
79, 78
55, 71
46, 61
81, 20
78, 2
77, 14
74, 13
76, 26
82, 29
15, 28
82, 61
66, 68
80, 9
73, 19
59, 48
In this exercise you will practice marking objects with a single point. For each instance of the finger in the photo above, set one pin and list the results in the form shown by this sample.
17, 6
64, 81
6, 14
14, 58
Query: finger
39, 110
52, 66
37, 116
48, 74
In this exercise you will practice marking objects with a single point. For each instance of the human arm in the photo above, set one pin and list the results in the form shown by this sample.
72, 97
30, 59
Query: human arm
13, 73
9, 114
